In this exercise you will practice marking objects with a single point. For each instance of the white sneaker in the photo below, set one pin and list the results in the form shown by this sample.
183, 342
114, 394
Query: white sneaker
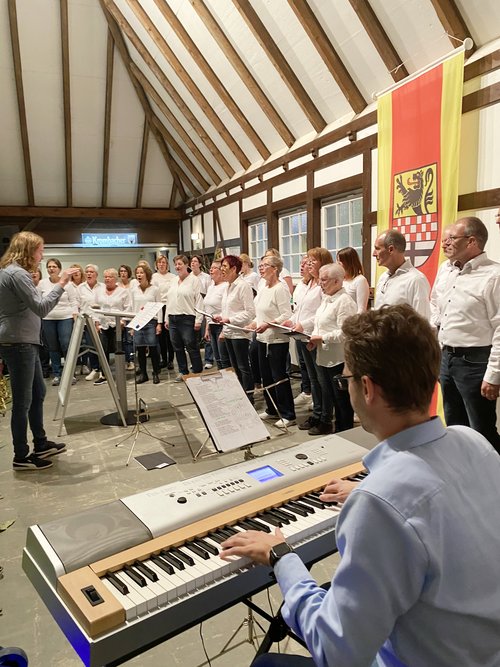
265, 416
93, 375
302, 399
281, 423
207, 366
130, 366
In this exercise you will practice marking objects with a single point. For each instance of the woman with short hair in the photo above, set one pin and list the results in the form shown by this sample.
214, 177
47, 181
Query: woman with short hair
142, 292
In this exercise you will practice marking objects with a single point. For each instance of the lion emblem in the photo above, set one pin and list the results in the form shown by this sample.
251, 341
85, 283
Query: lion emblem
417, 196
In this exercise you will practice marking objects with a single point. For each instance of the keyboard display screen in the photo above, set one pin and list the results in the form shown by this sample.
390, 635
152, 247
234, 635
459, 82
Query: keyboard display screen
265, 473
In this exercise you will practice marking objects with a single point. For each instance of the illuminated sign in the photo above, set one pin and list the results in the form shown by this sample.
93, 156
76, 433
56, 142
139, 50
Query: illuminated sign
108, 240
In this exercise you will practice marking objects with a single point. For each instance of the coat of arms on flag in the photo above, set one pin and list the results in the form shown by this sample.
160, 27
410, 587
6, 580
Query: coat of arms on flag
415, 211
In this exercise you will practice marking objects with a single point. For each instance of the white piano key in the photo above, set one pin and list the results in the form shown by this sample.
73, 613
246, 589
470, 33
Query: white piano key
139, 600
174, 586
125, 600
146, 593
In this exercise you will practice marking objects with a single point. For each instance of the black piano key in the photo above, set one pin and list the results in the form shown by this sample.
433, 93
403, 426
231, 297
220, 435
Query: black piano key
119, 585
326, 504
244, 523
258, 525
313, 502
282, 515
182, 556
270, 518
145, 570
136, 576
217, 537
197, 550
295, 509
226, 534
303, 506
230, 530
173, 560
162, 564
207, 546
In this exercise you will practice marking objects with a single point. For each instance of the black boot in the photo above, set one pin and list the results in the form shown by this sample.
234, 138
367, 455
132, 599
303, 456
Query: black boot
156, 379
142, 378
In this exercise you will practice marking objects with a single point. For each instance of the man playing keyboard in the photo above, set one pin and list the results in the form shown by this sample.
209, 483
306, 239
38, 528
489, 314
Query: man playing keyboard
419, 579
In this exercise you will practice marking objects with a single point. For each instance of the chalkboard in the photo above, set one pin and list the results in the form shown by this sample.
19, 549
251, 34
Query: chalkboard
229, 416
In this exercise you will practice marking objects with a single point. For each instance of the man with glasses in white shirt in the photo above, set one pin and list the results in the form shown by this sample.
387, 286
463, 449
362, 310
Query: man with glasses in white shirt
469, 334
402, 282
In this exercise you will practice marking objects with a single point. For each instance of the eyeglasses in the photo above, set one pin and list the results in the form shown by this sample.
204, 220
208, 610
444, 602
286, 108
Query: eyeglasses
342, 381
449, 239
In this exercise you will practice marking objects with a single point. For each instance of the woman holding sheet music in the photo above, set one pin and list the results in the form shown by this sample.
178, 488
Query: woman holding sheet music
213, 306
141, 293
238, 311
272, 306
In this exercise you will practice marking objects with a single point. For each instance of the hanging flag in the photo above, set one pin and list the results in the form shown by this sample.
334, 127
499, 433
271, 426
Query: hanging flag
418, 150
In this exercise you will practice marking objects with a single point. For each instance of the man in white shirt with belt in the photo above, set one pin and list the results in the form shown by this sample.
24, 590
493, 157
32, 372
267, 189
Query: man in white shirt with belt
469, 334
402, 282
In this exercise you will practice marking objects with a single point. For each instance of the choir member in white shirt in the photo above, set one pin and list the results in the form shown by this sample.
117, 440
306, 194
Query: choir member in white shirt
109, 297
285, 276
58, 324
87, 295
328, 339
183, 320
469, 333
402, 282
238, 309
355, 283
163, 279
303, 320
125, 274
212, 305
147, 337
205, 281
272, 306
247, 274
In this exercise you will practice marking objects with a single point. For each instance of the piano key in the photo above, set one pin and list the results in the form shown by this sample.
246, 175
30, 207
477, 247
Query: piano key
170, 558
270, 518
126, 601
299, 503
245, 524
182, 555
145, 570
162, 564
172, 584
258, 525
140, 602
204, 544
136, 576
117, 583
283, 514
182, 579
152, 593
290, 507
313, 502
216, 536
199, 551
229, 529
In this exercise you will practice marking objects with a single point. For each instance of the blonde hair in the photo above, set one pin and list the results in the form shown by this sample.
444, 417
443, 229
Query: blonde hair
245, 258
21, 250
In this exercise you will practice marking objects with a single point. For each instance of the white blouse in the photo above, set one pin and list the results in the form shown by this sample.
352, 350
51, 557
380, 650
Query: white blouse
272, 304
68, 304
328, 324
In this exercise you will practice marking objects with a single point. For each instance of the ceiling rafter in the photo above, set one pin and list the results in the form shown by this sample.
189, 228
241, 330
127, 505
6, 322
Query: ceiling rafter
452, 21
280, 63
191, 86
142, 164
113, 212
21, 105
168, 87
212, 78
68, 152
173, 195
380, 39
177, 172
241, 69
328, 54
107, 117
155, 96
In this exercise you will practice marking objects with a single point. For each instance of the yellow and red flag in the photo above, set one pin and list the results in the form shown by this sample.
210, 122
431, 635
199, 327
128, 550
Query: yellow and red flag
418, 151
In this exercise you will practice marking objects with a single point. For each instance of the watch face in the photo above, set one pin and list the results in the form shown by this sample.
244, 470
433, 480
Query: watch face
278, 551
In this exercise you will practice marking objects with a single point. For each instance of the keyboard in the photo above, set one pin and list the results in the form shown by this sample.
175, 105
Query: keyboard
120, 577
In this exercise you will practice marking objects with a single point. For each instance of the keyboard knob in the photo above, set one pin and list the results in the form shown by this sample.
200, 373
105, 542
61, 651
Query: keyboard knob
182, 500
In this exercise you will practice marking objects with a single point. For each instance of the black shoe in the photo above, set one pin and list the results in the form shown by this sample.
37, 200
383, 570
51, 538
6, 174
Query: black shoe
46, 374
156, 379
142, 378
308, 423
170, 366
321, 429
163, 364
138, 371
48, 449
31, 462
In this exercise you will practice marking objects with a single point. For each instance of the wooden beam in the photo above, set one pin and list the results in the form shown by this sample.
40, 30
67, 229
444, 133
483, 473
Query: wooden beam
212, 77
380, 39
21, 106
474, 201
175, 169
241, 69
186, 79
488, 63
107, 117
184, 108
330, 57
453, 22
150, 90
32, 224
173, 194
146, 214
66, 101
479, 99
280, 63
142, 164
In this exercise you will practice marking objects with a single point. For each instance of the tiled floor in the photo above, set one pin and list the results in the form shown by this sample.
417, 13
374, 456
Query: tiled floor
93, 472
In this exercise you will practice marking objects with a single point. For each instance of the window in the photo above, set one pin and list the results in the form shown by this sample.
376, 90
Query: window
257, 240
342, 224
293, 234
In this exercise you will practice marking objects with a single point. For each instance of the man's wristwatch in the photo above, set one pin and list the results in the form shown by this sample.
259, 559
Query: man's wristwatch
278, 551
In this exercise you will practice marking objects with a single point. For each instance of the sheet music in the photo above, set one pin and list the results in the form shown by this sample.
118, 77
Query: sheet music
145, 315
229, 416
288, 331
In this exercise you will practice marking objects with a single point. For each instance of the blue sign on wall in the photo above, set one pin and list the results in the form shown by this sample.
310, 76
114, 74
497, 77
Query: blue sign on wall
116, 240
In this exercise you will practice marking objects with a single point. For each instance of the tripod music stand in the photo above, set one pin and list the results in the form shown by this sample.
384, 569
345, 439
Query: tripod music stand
141, 416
